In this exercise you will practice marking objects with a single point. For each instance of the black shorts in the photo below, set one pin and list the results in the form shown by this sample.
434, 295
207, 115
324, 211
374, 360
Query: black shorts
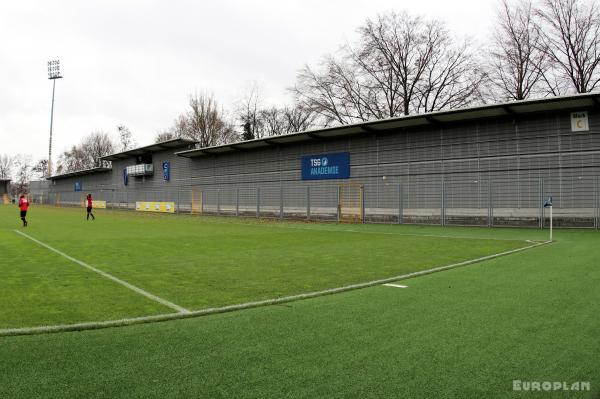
23, 214
89, 209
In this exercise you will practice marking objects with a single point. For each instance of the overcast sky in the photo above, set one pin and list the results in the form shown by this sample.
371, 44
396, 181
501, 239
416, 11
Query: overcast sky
136, 62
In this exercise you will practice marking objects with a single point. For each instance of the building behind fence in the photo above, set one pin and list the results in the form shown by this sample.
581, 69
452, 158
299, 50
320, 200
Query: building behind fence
466, 203
485, 166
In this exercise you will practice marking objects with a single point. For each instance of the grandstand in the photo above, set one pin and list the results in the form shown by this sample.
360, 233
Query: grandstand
484, 166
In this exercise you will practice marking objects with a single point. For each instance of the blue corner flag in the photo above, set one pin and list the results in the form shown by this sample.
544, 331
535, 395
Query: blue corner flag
548, 202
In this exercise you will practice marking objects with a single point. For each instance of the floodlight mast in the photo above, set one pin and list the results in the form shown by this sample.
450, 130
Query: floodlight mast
53, 74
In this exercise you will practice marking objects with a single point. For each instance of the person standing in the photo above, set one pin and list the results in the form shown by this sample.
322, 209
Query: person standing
24, 206
89, 208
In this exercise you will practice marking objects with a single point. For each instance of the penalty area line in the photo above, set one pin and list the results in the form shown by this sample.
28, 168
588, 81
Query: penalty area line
248, 305
108, 276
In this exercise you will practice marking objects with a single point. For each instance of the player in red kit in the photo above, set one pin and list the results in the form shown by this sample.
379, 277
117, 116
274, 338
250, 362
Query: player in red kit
89, 207
23, 206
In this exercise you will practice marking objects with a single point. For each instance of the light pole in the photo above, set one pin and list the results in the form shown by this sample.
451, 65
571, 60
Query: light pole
53, 74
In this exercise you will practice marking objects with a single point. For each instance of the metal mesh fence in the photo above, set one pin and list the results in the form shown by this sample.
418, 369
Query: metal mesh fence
498, 201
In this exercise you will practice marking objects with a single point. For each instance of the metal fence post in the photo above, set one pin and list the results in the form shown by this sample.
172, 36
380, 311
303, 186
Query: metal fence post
218, 202
541, 203
308, 202
443, 206
399, 203
490, 205
237, 201
202, 202
597, 195
257, 202
281, 202
362, 204
339, 211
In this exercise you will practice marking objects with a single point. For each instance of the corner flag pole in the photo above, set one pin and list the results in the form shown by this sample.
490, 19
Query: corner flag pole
548, 204
550, 222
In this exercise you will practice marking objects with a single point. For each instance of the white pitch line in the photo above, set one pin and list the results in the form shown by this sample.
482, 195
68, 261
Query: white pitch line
248, 305
108, 276
396, 285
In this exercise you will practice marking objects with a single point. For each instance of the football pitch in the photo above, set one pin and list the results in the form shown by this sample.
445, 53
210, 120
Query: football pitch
505, 307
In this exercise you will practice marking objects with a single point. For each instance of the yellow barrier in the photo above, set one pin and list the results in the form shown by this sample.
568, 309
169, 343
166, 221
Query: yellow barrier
165, 207
95, 204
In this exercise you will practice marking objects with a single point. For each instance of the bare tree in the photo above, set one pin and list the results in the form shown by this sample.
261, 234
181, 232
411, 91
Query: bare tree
299, 119
453, 79
179, 128
275, 121
248, 113
87, 154
165, 136
401, 64
6, 166
272, 122
40, 169
22, 174
126, 138
335, 92
73, 160
518, 61
97, 145
204, 122
570, 30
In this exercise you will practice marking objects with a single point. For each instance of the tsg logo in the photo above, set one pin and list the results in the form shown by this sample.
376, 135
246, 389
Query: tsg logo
326, 166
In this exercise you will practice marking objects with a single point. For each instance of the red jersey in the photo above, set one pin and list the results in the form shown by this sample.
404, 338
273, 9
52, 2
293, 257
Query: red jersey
89, 201
23, 203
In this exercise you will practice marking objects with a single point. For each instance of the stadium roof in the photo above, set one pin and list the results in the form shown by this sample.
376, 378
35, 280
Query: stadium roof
515, 108
164, 145
80, 173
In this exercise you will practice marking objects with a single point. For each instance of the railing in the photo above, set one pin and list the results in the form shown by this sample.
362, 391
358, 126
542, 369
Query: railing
445, 202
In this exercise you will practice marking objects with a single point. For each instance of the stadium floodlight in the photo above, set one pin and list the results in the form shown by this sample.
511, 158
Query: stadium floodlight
53, 74
54, 69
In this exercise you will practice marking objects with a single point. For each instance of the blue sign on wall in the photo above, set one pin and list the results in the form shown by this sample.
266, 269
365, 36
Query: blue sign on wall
166, 171
125, 177
77, 186
326, 166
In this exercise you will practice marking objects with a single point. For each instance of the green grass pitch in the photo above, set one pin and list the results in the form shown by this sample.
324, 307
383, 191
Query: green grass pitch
461, 333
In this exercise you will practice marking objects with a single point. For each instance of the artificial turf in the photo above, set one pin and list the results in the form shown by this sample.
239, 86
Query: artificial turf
463, 333
199, 263
39, 287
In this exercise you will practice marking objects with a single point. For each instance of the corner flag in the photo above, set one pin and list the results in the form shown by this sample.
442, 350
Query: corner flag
548, 204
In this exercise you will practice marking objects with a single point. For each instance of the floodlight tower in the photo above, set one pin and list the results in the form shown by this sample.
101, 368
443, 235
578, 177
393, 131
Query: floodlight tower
53, 74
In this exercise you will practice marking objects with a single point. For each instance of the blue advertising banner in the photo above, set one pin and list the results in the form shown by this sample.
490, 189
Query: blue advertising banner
166, 170
326, 166
125, 177
77, 186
